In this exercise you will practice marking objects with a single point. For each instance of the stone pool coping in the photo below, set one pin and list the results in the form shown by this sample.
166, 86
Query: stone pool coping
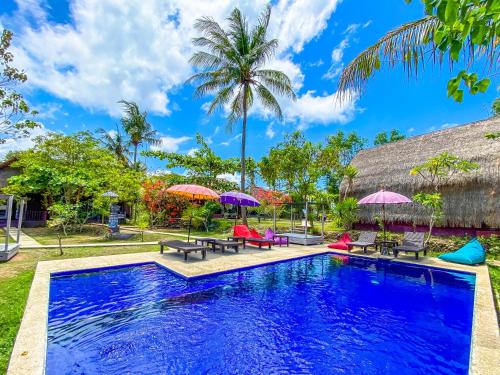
29, 352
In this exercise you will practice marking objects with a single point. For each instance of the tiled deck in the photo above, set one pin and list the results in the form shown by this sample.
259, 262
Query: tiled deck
28, 356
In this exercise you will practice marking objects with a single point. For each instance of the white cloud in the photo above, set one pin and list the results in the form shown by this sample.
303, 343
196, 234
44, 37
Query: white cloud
21, 144
236, 177
295, 23
270, 133
136, 50
231, 140
411, 130
322, 109
169, 144
337, 64
191, 151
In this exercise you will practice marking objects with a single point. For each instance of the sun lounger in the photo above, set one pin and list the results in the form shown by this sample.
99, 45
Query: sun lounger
365, 240
249, 236
413, 242
186, 247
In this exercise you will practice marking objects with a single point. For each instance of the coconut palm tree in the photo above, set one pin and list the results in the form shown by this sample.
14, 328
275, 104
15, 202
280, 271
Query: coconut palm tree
116, 143
232, 69
137, 127
450, 31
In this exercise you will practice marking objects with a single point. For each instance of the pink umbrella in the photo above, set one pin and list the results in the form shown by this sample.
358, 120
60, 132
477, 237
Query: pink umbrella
385, 197
193, 192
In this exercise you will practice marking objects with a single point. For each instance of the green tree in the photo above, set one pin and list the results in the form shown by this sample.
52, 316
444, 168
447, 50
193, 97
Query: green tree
336, 156
72, 170
13, 107
436, 172
116, 143
297, 166
137, 127
232, 69
346, 212
203, 166
456, 28
383, 138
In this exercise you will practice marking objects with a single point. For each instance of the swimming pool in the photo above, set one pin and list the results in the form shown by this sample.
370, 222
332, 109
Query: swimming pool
313, 315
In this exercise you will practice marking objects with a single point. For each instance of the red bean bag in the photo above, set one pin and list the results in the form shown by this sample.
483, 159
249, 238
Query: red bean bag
341, 243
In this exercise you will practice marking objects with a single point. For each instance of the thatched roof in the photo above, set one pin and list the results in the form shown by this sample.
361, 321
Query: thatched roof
470, 200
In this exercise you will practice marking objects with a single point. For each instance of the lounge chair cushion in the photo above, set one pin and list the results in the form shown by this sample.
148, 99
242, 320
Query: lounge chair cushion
341, 243
471, 253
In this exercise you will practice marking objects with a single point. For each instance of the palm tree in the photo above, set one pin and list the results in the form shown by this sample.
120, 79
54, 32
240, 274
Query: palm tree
232, 69
137, 127
455, 32
116, 143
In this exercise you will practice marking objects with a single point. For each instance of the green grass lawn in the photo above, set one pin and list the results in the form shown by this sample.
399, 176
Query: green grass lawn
91, 234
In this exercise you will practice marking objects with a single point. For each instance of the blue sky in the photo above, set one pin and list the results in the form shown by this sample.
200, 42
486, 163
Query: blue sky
82, 56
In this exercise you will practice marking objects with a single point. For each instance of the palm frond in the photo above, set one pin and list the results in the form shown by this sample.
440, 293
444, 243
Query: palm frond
277, 81
408, 44
238, 31
222, 98
268, 100
236, 110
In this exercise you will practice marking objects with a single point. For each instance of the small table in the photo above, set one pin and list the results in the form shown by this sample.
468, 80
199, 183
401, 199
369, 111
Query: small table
223, 245
385, 245
206, 240
238, 239
185, 247
282, 236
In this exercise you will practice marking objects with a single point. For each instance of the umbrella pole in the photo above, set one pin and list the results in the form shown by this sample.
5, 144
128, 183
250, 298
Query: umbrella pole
274, 218
383, 218
189, 226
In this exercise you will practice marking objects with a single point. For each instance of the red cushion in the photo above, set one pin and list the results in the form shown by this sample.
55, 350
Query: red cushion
339, 245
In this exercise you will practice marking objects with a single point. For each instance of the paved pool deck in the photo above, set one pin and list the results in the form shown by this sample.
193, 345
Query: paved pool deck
28, 356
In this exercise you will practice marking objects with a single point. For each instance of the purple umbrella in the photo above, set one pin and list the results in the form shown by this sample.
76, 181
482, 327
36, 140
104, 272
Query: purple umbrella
385, 197
239, 199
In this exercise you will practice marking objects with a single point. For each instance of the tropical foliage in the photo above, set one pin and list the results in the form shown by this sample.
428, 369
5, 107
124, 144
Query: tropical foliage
137, 127
115, 142
232, 67
462, 32
295, 165
203, 166
163, 208
13, 107
436, 172
388, 137
72, 170
346, 212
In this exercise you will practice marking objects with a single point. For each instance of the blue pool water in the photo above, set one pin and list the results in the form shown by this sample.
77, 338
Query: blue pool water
308, 316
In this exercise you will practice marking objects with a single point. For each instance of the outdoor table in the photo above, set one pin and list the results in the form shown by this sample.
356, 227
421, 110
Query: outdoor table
385, 245
185, 247
238, 239
206, 240
282, 236
223, 245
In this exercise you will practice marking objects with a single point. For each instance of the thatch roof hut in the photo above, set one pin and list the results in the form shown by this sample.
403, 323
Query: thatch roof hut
469, 200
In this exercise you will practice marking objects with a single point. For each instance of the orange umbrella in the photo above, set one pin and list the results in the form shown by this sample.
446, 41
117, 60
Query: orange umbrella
193, 192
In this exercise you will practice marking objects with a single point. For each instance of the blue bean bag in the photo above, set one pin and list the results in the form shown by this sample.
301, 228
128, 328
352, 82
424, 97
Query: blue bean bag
471, 253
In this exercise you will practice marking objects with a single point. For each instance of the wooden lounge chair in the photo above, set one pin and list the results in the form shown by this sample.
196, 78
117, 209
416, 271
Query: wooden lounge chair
365, 240
186, 247
413, 242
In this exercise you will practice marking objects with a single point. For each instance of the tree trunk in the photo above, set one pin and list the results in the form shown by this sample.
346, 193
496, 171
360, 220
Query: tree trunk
243, 144
135, 155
